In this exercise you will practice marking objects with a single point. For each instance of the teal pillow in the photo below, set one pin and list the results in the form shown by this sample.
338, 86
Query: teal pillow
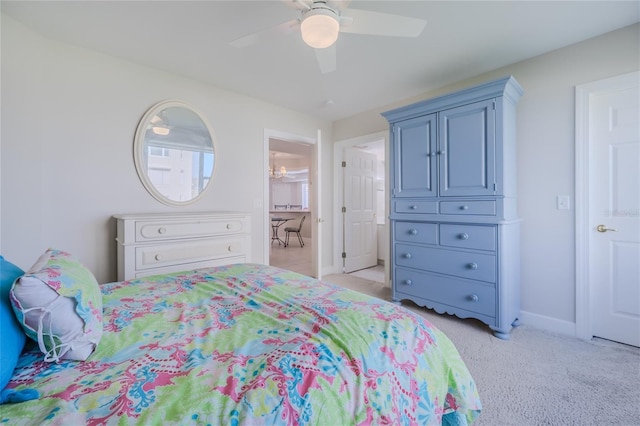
13, 337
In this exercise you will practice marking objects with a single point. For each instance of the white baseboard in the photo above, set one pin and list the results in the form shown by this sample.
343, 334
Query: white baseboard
548, 323
328, 270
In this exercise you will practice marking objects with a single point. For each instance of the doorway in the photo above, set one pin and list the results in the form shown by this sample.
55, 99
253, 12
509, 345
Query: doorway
289, 202
376, 145
607, 209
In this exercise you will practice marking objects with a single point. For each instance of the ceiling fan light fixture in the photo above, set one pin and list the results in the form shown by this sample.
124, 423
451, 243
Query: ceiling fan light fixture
160, 130
320, 27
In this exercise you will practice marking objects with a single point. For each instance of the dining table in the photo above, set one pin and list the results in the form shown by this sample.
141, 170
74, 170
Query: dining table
276, 223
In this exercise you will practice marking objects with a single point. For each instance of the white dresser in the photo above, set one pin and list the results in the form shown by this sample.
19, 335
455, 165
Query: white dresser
158, 243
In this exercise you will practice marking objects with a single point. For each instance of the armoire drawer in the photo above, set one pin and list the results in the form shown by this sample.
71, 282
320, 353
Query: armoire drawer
468, 208
470, 265
155, 256
468, 236
417, 207
188, 228
446, 290
416, 232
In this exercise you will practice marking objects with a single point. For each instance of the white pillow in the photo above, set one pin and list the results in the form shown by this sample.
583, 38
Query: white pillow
59, 304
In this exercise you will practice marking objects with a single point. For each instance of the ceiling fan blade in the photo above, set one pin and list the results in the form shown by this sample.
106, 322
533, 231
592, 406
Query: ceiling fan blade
285, 28
298, 4
339, 4
357, 21
326, 59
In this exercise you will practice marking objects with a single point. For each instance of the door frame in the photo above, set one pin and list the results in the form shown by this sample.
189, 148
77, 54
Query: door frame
582, 232
338, 193
266, 224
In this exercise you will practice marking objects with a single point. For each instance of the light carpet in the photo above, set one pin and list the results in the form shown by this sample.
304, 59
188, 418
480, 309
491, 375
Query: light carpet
537, 377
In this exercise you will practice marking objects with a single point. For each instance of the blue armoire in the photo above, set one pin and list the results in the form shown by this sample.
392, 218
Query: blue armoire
455, 233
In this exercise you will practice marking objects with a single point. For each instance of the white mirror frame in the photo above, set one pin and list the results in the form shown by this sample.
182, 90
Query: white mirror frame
139, 147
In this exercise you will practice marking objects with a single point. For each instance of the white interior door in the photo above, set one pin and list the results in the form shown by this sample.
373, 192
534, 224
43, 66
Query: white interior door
360, 223
614, 213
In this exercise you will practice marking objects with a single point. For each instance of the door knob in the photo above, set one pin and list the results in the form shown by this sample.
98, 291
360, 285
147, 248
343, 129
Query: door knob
603, 228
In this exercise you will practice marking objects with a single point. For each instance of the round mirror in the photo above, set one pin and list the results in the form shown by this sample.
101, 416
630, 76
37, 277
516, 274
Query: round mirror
174, 153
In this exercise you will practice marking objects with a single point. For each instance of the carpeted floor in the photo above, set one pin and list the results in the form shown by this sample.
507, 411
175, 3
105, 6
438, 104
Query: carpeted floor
537, 377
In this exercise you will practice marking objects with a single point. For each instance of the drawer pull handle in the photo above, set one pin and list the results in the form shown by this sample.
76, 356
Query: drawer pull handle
413, 207
463, 236
229, 226
408, 282
162, 230
473, 297
472, 266
229, 248
464, 207
157, 257
407, 256
442, 152
413, 231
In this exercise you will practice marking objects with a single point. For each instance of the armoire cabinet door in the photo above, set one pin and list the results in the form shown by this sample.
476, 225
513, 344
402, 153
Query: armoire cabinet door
466, 150
414, 156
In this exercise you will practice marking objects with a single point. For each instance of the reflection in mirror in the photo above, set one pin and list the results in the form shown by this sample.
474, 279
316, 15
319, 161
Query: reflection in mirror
174, 153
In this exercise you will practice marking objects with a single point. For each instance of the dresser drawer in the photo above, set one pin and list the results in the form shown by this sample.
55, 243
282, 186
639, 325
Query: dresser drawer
468, 208
155, 256
446, 290
417, 207
468, 236
189, 228
416, 232
475, 266
190, 266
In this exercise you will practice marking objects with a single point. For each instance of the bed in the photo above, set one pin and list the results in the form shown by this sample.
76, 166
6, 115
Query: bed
249, 344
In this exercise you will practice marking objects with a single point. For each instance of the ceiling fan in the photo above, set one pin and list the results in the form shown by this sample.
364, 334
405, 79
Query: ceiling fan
321, 21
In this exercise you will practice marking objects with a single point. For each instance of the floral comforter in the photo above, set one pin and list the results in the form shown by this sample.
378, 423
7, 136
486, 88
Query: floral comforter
250, 344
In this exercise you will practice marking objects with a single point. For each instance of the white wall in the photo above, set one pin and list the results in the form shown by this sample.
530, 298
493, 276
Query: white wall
68, 120
383, 244
545, 161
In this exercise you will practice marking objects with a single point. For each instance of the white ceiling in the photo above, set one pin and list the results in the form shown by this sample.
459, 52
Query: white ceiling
461, 39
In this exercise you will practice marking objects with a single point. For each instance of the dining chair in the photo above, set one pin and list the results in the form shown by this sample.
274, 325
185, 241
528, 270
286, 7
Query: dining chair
290, 229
